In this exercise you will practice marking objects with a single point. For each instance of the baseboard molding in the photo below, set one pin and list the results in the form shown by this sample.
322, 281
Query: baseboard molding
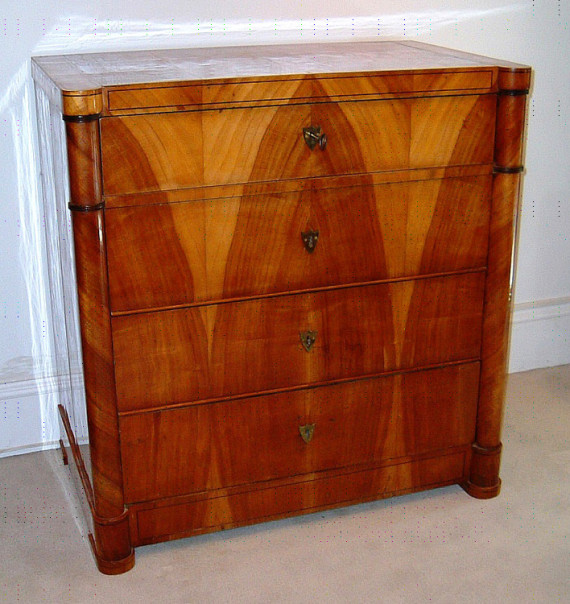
539, 339
540, 334
29, 421
34, 448
40, 386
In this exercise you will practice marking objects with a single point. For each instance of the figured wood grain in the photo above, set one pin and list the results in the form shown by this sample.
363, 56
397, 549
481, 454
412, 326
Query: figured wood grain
175, 150
228, 248
84, 160
244, 347
355, 424
112, 546
174, 520
284, 91
190, 183
86, 102
484, 481
278, 187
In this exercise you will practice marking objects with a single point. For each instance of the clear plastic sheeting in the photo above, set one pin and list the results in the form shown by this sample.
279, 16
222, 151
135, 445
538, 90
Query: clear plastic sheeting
91, 34
52, 373
31, 254
46, 252
90, 71
46, 256
62, 307
42, 378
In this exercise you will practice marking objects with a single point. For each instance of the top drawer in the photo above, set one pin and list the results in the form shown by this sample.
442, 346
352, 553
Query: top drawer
282, 90
165, 151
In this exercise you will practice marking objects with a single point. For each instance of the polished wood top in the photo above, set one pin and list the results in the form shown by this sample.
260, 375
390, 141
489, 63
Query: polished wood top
81, 72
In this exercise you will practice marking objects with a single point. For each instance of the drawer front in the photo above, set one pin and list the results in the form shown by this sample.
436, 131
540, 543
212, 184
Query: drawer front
174, 254
151, 523
173, 97
259, 439
166, 151
236, 348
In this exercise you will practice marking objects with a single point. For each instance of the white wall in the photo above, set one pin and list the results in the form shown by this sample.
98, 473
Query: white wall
527, 31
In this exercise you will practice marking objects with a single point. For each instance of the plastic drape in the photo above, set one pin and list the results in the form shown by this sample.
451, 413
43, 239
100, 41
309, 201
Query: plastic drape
62, 304
46, 246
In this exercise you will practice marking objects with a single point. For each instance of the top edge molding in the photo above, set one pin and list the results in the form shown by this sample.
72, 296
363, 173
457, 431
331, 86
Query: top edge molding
86, 74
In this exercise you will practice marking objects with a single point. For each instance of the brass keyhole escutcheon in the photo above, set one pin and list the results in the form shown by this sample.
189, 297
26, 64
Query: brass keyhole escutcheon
308, 339
310, 240
315, 136
307, 432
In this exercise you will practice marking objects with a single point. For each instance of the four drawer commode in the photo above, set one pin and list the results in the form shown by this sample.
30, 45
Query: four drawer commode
293, 286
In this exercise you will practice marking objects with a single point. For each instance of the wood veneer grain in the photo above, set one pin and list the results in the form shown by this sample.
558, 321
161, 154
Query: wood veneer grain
189, 192
252, 245
245, 347
257, 439
285, 91
166, 151
111, 540
484, 481
150, 524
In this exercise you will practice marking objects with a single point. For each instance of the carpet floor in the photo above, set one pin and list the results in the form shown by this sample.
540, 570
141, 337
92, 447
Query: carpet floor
440, 546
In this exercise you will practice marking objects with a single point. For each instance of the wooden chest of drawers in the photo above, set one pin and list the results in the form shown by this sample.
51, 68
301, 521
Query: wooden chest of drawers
293, 273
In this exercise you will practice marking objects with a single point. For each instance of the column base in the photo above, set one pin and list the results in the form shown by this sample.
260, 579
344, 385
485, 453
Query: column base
484, 481
112, 567
111, 542
481, 492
